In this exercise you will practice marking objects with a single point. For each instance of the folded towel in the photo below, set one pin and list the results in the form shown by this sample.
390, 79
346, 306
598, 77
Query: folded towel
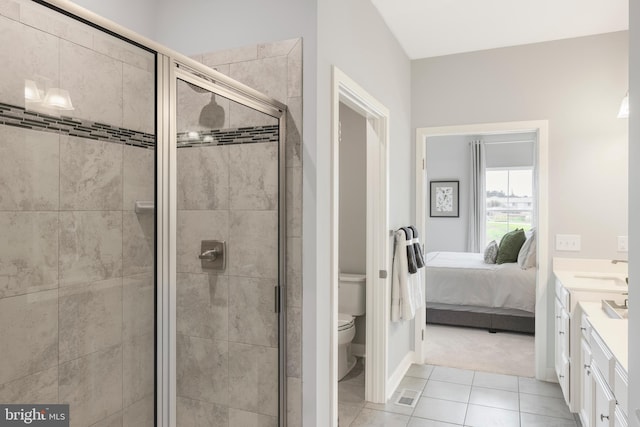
411, 255
417, 248
402, 298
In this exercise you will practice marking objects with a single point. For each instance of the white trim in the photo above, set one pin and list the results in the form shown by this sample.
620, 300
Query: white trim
349, 92
542, 276
163, 390
400, 372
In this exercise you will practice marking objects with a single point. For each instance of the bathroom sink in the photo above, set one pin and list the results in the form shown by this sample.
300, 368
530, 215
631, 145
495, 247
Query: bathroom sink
601, 279
615, 310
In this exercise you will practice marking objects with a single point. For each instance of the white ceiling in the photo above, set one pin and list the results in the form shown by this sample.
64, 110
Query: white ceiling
427, 28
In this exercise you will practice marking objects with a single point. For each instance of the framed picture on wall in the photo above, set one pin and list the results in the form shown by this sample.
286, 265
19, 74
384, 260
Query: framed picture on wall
445, 199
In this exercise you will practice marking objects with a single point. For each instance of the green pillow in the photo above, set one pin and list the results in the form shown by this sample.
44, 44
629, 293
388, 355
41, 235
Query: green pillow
510, 246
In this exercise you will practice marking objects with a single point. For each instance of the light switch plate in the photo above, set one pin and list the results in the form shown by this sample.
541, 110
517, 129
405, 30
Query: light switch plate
623, 243
568, 242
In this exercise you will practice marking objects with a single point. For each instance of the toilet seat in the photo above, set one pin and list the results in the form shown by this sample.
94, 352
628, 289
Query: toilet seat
345, 322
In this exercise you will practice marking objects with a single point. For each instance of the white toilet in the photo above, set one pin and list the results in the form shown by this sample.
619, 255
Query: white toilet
351, 302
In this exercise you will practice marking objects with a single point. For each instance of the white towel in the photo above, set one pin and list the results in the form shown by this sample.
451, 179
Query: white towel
402, 290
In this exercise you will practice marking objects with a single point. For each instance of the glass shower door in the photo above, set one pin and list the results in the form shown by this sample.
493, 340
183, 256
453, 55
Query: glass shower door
227, 260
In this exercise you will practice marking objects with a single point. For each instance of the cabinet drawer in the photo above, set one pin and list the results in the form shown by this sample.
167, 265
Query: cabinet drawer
563, 295
621, 389
601, 356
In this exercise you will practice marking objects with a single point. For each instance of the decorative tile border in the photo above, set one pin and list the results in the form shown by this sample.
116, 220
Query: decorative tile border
12, 115
244, 135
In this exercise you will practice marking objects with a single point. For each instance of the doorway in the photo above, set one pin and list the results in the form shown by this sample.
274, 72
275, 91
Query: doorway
542, 371
374, 119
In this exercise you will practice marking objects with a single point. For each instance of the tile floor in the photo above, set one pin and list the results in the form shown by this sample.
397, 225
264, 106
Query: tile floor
457, 397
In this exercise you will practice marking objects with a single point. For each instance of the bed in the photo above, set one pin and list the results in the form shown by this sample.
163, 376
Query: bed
463, 290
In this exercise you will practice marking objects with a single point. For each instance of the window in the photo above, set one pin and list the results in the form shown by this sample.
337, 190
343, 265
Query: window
509, 201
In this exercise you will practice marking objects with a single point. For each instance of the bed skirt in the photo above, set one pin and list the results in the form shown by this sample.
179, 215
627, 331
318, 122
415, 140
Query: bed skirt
491, 321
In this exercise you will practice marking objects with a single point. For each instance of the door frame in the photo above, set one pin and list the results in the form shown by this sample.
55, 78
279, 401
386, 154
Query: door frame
349, 92
170, 69
543, 371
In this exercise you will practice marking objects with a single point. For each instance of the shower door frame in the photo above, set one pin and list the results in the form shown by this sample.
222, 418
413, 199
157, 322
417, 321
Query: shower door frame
167, 64
169, 69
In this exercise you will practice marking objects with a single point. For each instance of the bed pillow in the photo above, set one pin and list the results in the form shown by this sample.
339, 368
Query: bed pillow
491, 253
527, 254
510, 246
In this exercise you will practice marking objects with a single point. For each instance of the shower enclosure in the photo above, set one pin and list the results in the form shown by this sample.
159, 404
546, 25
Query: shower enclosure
142, 220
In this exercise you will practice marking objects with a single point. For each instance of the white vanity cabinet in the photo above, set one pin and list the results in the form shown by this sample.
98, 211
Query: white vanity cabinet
586, 384
562, 347
603, 377
568, 332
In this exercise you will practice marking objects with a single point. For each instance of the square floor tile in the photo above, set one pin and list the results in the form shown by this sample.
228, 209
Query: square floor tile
347, 413
452, 375
447, 391
541, 388
542, 405
351, 394
494, 398
499, 381
532, 420
412, 383
420, 371
372, 418
422, 422
483, 416
441, 410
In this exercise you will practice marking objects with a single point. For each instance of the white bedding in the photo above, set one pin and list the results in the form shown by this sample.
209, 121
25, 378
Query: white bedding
463, 278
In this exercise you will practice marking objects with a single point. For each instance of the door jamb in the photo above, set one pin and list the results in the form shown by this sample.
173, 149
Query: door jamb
352, 94
543, 372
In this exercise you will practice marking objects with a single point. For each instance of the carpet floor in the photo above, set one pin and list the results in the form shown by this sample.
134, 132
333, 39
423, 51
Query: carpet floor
478, 350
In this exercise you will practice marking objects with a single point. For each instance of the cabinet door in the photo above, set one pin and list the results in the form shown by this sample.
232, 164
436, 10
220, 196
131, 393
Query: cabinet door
605, 403
586, 385
558, 336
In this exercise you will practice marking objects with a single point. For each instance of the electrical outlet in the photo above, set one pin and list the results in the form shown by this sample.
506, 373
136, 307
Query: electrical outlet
568, 242
623, 243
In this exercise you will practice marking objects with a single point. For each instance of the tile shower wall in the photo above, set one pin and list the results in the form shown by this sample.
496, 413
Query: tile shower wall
227, 345
76, 262
276, 70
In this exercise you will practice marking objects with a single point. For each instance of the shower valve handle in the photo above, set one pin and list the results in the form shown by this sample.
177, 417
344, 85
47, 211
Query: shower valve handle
210, 255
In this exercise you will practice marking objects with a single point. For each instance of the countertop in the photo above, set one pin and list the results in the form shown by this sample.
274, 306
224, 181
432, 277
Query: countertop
591, 274
614, 332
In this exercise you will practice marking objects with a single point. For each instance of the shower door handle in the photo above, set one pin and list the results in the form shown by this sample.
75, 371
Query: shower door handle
210, 255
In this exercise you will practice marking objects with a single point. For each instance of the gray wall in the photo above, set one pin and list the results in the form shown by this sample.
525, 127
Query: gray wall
575, 84
448, 159
139, 16
634, 212
353, 36
353, 192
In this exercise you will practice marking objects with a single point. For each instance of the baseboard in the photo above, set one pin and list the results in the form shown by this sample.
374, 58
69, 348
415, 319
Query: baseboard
399, 373
358, 350
550, 376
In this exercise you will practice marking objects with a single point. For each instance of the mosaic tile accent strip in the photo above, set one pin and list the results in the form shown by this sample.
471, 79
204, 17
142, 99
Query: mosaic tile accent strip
244, 135
12, 115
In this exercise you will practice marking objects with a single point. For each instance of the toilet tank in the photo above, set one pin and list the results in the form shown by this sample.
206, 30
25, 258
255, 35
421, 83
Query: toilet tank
352, 294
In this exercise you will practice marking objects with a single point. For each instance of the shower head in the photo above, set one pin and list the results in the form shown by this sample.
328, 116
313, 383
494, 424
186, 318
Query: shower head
212, 115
